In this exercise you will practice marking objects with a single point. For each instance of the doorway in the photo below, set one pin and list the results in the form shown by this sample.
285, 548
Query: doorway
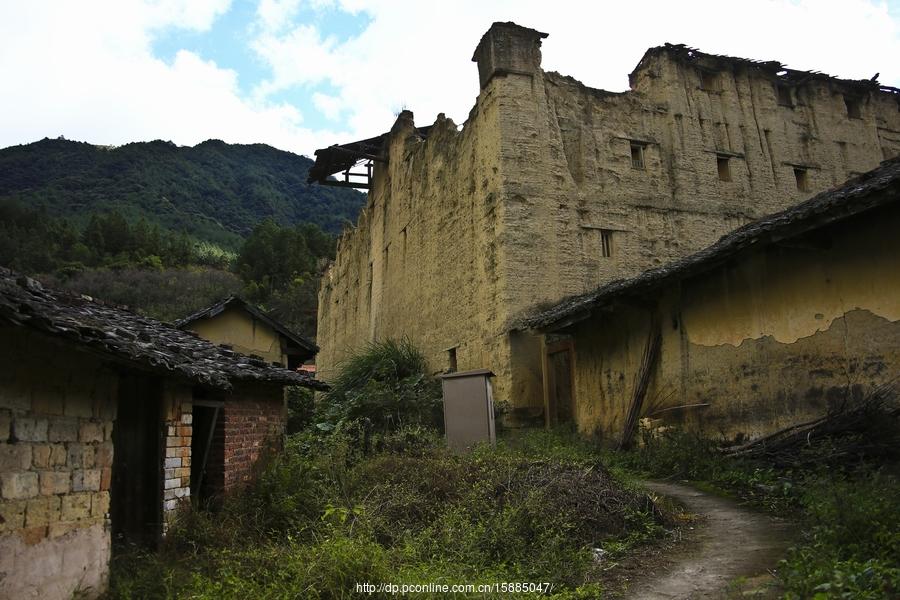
207, 452
561, 400
136, 486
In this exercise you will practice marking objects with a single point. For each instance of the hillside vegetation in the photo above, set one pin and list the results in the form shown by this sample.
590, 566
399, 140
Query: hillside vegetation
167, 230
213, 191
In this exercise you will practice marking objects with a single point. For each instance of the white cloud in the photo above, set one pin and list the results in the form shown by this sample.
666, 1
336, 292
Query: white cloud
416, 53
330, 106
86, 69
276, 14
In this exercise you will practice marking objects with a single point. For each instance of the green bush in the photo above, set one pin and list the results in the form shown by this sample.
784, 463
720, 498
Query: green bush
851, 545
301, 407
382, 388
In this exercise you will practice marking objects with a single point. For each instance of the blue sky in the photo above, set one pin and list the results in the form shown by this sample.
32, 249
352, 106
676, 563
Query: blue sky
302, 74
228, 43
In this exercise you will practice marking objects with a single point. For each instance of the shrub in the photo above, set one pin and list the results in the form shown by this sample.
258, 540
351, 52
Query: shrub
383, 388
851, 545
301, 406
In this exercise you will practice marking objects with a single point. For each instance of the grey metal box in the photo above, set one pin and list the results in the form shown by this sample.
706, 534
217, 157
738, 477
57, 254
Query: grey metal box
468, 409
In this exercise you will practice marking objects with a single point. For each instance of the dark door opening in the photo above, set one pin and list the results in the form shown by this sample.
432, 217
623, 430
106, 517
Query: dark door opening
207, 460
559, 363
136, 487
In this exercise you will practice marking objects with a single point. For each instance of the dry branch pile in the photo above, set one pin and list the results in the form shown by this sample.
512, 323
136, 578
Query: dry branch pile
868, 429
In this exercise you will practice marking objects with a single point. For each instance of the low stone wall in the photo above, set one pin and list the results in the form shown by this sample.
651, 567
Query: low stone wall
56, 456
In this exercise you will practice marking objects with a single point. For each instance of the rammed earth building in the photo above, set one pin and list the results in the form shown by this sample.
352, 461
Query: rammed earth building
551, 189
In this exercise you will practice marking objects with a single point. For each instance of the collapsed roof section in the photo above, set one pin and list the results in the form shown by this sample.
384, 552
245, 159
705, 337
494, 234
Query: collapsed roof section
718, 62
341, 158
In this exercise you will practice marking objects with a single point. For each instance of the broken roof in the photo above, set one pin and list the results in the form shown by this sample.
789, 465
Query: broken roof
878, 187
209, 312
125, 337
689, 55
340, 158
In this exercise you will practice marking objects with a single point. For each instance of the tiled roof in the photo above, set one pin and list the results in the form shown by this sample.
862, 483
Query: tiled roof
236, 301
124, 336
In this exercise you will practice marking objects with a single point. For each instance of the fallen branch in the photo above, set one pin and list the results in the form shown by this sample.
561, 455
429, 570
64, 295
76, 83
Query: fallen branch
868, 429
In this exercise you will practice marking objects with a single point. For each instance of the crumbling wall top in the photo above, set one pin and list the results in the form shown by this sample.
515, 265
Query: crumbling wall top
718, 62
508, 48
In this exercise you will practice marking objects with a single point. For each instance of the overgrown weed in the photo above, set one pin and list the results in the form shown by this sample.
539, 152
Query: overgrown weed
325, 516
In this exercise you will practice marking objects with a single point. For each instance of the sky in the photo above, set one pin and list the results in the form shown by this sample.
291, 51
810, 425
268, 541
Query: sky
304, 74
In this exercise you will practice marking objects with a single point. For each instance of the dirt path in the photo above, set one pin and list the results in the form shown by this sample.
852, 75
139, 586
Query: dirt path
734, 551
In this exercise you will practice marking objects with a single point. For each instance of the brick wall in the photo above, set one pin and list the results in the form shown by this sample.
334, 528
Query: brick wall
56, 459
177, 466
253, 421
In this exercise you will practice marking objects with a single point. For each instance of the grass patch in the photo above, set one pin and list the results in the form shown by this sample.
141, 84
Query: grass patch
326, 515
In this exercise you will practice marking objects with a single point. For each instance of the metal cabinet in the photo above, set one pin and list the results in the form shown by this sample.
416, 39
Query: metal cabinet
468, 409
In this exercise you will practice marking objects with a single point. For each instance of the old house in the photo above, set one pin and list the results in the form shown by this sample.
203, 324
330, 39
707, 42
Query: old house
109, 420
248, 330
552, 188
774, 324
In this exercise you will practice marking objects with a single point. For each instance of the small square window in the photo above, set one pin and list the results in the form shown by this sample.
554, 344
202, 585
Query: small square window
724, 168
709, 81
606, 243
802, 177
637, 155
785, 97
853, 107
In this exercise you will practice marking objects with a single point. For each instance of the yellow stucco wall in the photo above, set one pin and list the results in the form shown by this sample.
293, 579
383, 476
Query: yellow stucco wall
245, 334
774, 338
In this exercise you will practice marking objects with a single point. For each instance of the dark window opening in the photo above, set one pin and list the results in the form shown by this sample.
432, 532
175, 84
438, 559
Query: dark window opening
452, 365
637, 156
709, 81
723, 168
853, 107
606, 243
802, 177
784, 95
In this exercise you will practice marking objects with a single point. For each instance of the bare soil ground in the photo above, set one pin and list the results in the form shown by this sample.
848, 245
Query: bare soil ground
730, 551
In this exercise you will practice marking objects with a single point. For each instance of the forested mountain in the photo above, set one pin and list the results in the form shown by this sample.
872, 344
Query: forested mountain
167, 229
213, 191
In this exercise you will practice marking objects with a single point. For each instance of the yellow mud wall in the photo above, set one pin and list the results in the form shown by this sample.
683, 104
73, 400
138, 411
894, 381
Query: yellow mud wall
245, 334
466, 232
777, 337
568, 173
422, 262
